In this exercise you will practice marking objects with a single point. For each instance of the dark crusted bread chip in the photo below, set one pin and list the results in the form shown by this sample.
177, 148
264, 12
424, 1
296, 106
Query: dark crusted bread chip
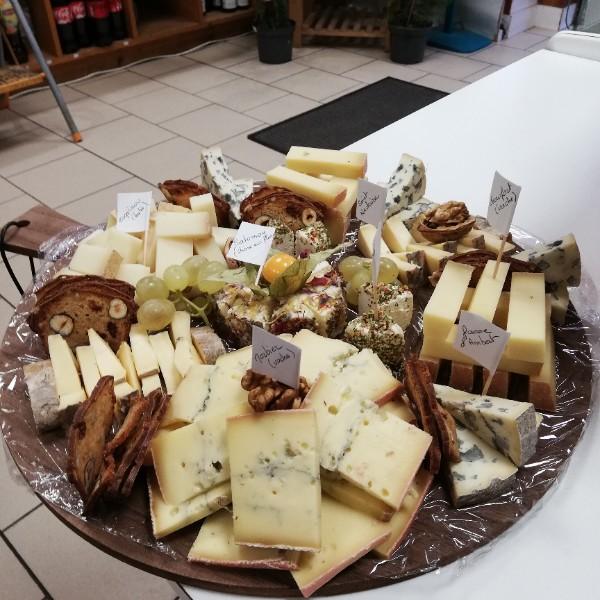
447, 429
87, 437
104, 481
135, 413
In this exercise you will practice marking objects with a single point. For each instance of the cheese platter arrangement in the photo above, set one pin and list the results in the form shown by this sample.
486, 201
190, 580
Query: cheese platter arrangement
274, 388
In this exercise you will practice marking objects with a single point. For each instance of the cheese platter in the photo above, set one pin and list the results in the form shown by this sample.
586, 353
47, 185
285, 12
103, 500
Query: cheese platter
130, 404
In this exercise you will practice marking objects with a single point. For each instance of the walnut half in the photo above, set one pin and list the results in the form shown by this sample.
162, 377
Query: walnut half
448, 222
265, 393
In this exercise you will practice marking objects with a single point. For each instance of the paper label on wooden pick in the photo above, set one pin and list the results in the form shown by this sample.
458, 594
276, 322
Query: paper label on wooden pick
275, 357
251, 243
503, 202
133, 211
370, 202
480, 340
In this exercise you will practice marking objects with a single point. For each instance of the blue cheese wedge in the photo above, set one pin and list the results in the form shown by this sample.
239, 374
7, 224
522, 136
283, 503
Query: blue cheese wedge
482, 473
410, 214
394, 300
560, 260
507, 425
406, 185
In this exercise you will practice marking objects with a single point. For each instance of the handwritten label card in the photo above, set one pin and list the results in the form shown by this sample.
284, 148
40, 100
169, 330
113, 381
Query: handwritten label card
480, 340
503, 202
133, 211
251, 243
370, 202
275, 357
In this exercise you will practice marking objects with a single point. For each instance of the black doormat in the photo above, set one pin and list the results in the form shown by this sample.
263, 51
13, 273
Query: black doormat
350, 118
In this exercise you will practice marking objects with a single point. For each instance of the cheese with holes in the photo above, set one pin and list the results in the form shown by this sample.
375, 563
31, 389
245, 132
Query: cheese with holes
165, 355
88, 367
527, 318
204, 203
143, 355
132, 273
406, 185
507, 425
489, 288
193, 225
346, 536
125, 355
366, 240
209, 249
347, 204
172, 251
45, 403
150, 383
396, 235
341, 163
168, 518
275, 486
327, 192
108, 363
90, 260
215, 545
482, 473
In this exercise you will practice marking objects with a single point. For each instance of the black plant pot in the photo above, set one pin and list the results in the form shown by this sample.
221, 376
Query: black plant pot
275, 45
407, 44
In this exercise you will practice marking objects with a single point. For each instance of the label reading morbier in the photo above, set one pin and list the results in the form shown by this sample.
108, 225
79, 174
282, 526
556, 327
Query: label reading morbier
275, 357
503, 202
370, 202
480, 340
251, 243
133, 211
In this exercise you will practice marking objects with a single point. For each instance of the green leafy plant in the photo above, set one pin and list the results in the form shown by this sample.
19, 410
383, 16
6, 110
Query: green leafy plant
271, 14
415, 13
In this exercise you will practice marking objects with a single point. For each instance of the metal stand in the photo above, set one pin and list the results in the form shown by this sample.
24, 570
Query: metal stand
5, 260
75, 134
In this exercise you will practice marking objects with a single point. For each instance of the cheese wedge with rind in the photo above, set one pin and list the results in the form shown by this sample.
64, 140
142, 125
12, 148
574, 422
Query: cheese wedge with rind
396, 235
341, 163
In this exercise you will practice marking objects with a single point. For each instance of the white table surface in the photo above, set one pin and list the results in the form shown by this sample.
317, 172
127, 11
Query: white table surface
538, 123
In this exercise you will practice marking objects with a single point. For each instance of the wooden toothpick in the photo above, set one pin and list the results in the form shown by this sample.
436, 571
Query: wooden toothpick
500, 255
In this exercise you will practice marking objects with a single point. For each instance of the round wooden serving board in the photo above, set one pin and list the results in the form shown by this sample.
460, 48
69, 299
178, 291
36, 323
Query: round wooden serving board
440, 534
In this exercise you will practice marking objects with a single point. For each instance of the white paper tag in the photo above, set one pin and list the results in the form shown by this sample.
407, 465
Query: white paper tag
133, 211
370, 202
503, 202
251, 243
275, 357
376, 254
480, 340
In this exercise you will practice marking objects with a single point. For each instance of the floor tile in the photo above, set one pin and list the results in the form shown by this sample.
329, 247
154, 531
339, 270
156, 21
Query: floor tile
242, 94
483, 73
356, 86
247, 40
541, 31
196, 78
174, 159
33, 148
69, 178
93, 209
223, 54
86, 113
158, 66
448, 65
14, 579
117, 87
374, 52
162, 105
8, 191
240, 171
378, 69
12, 124
123, 137
282, 108
16, 207
523, 40
500, 55
334, 61
210, 125
254, 69
49, 547
437, 82
304, 51
43, 100
315, 84
254, 155
543, 45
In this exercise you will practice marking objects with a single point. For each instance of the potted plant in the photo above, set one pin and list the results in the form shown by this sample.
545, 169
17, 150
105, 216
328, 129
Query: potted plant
410, 22
274, 31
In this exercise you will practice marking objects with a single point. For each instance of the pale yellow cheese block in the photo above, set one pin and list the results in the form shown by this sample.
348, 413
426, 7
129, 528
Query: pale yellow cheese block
88, 367
205, 203
542, 387
396, 235
221, 235
125, 355
209, 249
433, 256
106, 359
366, 238
193, 225
150, 383
489, 288
90, 259
143, 355
165, 355
65, 368
351, 185
485, 240
172, 251
132, 273
341, 163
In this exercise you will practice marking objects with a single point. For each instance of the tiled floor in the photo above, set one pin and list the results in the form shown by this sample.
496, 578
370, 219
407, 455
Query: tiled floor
141, 126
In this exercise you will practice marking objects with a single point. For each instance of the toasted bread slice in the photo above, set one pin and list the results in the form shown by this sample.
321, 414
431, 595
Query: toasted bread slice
137, 406
105, 479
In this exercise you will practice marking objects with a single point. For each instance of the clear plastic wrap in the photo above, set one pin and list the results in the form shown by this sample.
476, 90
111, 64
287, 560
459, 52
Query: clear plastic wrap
438, 536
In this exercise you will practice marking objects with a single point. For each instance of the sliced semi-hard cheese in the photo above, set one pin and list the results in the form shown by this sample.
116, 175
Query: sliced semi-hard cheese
401, 409
327, 192
172, 251
482, 473
209, 249
396, 235
180, 326
341, 163
346, 536
507, 425
143, 355
206, 204
167, 518
366, 238
351, 185
125, 355
275, 486
127, 245
88, 367
485, 240
150, 383
45, 404
489, 288
123, 389
165, 355
132, 273
215, 545
185, 356
433, 256
542, 385
65, 368
221, 235
559, 298
90, 260
108, 363
183, 225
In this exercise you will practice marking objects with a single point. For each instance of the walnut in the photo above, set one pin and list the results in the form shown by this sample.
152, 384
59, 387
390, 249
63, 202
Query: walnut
447, 222
265, 393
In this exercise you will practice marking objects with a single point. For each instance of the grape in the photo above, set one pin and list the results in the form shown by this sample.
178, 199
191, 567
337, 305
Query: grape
388, 271
351, 295
211, 286
149, 288
192, 266
209, 269
155, 314
361, 278
351, 265
176, 277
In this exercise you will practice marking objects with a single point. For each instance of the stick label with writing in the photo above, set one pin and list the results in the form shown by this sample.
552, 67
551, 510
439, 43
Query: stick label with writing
133, 211
370, 202
480, 340
275, 357
251, 243
503, 202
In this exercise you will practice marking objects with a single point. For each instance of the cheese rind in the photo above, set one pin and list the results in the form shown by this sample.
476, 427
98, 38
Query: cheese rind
341, 163
275, 485
106, 359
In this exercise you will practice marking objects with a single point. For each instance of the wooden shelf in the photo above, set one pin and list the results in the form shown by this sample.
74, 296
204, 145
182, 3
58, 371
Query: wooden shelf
217, 17
327, 21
